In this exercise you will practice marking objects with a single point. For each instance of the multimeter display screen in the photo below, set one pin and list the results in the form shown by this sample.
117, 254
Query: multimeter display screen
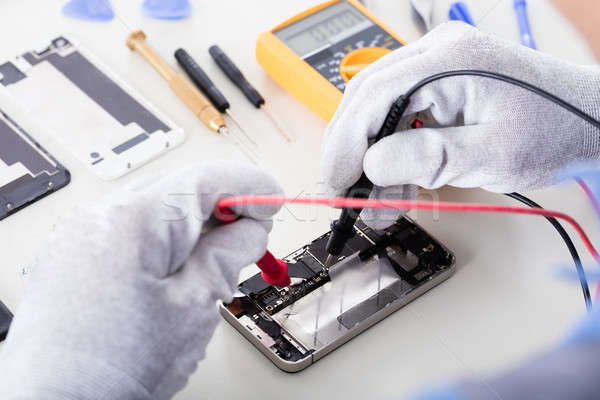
326, 27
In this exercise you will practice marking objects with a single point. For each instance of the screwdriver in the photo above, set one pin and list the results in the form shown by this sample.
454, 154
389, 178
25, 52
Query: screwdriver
186, 92
238, 79
206, 85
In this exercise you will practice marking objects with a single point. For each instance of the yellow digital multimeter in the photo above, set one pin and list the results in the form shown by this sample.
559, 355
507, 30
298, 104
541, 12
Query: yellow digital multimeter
314, 54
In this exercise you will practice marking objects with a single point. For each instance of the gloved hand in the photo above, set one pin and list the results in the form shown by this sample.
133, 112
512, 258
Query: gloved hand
120, 303
492, 134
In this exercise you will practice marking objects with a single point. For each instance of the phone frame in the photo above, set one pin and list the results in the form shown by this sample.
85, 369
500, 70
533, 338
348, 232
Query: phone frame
295, 366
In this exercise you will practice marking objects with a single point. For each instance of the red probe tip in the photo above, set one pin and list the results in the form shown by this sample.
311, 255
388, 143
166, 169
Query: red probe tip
274, 270
279, 276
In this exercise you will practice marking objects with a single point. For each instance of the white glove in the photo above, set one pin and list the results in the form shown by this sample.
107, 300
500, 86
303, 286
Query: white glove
424, 9
121, 301
492, 134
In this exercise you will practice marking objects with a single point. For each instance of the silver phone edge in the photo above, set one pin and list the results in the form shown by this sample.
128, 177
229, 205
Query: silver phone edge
359, 328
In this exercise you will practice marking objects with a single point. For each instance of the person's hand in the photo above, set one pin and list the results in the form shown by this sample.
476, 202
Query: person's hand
491, 134
121, 301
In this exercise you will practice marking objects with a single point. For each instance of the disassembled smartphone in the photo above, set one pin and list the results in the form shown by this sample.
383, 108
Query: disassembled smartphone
97, 116
378, 273
27, 171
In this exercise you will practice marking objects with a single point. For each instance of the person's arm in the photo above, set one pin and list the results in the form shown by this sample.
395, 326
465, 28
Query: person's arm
585, 14
121, 301
487, 133
567, 372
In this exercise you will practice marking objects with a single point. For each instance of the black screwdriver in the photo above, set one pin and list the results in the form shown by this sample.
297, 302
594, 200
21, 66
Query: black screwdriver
238, 79
206, 85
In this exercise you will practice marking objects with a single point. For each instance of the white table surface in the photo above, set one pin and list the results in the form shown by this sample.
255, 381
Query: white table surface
503, 305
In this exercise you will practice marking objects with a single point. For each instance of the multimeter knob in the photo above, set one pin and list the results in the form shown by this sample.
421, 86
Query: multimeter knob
359, 59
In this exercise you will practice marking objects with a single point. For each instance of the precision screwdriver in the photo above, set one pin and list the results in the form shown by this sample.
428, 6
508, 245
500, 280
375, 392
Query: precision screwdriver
238, 79
184, 89
206, 85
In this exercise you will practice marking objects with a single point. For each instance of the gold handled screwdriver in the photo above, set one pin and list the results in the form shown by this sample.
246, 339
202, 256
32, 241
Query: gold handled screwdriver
184, 89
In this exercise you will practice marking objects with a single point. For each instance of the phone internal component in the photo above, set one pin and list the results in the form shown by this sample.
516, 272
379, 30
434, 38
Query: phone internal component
377, 271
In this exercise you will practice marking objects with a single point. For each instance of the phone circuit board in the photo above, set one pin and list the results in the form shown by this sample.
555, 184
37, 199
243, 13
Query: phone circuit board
376, 270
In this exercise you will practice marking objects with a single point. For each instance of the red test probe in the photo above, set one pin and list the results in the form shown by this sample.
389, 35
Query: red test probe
274, 270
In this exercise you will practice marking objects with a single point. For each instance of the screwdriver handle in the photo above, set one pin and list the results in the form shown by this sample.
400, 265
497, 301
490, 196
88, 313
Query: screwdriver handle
183, 88
199, 77
236, 76
136, 41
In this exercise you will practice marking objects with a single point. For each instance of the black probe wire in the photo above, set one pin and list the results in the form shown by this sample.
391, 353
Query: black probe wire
401, 104
567, 239
504, 78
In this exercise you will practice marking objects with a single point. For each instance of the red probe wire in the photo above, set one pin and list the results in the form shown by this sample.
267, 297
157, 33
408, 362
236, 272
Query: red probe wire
589, 194
340, 202
594, 202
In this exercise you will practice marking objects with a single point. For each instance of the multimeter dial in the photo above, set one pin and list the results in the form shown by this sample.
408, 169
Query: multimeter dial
324, 39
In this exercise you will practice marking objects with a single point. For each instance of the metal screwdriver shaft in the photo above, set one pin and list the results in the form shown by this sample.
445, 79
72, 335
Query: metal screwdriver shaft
235, 121
186, 92
275, 122
137, 42
183, 89
238, 79
247, 150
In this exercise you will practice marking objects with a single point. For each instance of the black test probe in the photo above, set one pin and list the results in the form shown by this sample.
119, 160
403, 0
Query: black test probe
343, 229
206, 85
235, 75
